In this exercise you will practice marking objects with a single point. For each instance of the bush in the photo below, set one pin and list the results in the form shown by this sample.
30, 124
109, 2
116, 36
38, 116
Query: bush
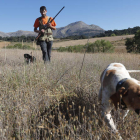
133, 44
100, 46
19, 46
97, 46
91, 47
130, 45
76, 48
62, 49
137, 40
113, 35
9, 47
27, 47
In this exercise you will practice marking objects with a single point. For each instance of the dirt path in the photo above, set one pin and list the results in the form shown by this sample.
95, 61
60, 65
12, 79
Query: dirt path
91, 40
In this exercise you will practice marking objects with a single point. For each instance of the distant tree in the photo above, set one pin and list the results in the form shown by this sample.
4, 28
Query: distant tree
133, 44
130, 45
120, 32
137, 40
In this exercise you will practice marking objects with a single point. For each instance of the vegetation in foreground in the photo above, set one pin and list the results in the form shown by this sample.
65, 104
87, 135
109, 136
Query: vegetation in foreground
59, 101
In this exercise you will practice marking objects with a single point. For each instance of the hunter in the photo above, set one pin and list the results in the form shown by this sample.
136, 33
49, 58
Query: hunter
46, 38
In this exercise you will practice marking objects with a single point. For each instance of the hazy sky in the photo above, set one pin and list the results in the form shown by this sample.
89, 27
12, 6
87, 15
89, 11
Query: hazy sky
108, 14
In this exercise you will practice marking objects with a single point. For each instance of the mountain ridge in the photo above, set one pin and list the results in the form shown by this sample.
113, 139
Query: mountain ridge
75, 28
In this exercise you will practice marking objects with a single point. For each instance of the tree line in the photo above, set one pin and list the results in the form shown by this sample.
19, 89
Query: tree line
128, 31
18, 38
107, 33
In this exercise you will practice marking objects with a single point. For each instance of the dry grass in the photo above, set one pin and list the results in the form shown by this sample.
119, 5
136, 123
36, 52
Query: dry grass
119, 46
50, 101
3, 44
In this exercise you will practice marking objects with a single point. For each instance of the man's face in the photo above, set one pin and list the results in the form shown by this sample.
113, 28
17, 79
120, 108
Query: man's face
43, 12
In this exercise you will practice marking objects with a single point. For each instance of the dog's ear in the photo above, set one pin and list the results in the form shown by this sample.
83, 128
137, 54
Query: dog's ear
117, 96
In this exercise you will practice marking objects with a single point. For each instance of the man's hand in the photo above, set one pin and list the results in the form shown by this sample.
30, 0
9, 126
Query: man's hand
50, 26
42, 30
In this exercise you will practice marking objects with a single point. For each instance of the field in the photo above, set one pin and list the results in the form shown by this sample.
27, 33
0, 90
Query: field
3, 44
58, 101
117, 41
91, 40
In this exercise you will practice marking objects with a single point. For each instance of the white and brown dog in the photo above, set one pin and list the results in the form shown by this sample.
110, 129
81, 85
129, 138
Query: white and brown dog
123, 91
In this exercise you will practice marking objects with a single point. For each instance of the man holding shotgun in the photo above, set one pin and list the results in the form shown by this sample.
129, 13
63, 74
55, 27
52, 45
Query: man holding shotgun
45, 33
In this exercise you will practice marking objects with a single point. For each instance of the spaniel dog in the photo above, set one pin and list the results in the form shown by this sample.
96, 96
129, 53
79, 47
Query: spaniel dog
118, 89
29, 58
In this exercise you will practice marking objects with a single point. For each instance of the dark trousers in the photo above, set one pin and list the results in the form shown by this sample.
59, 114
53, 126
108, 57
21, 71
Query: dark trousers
46, 48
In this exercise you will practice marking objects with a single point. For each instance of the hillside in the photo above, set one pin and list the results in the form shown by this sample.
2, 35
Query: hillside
20, 33
2, 34
76, 28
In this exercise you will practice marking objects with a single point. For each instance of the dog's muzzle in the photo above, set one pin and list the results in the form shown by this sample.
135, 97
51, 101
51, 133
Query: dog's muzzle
137, 111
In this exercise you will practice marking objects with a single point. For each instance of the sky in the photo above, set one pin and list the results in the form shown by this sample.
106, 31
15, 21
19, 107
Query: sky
108, 14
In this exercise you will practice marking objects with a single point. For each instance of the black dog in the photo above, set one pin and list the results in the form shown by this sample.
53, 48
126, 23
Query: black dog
29, 58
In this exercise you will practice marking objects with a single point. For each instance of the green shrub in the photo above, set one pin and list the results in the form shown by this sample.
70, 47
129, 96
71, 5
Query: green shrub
76, 48
91, 47
9, 47
19, 46
97, 46
130, 45
113, 35
26, 47
100, 46
133, 44
62, 49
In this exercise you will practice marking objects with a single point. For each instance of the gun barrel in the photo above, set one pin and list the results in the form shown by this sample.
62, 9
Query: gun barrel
57, 14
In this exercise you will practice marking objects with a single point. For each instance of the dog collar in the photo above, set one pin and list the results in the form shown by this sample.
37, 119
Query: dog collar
122, 105
120, 83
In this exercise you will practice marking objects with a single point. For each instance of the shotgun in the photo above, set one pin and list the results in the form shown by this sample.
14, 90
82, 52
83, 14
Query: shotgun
45, 26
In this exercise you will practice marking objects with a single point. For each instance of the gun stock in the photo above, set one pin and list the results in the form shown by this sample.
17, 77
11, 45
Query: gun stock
38, 36
49, 22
